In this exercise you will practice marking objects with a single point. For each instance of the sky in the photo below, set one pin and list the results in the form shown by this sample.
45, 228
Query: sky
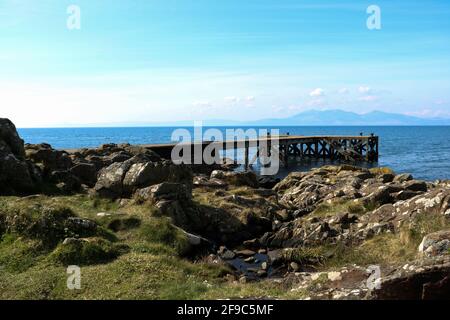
148, 61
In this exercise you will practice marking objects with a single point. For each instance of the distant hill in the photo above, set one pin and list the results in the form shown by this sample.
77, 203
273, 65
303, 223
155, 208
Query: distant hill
345, 118
334, 117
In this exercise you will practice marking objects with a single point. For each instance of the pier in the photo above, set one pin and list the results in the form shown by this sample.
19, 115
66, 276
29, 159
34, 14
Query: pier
342, 148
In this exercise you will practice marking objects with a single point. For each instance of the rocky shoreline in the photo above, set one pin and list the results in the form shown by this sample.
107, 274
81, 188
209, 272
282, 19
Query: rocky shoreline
336, 232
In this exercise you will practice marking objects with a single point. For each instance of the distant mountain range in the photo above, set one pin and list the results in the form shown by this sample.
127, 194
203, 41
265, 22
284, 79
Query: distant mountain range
337, 118
345, 118
334, 117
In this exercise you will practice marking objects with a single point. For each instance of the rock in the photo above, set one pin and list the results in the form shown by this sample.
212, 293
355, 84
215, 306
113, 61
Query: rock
386, 177
244, 279
226, 254
437, 290
252, 244
435, 244
262, 273
418, 281
65, 181
275, 256
247, 178
334, 276
85, 172
11, 139
68, 241
164, 191
202, 181
268, 182
48, 158
403, 177
264, 265
82, 227
16, 174
414, 185
103, 214
379, 196
294, 266
245, 253
122, 179
109, 183
249, 260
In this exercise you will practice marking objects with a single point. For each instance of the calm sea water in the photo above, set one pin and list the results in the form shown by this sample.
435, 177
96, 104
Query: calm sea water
422, 151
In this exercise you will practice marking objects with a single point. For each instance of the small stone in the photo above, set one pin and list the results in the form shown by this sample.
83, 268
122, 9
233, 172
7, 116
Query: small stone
245, 253
249, 260
228, 255
262, 251
334, 276
103, 214
262, 273
243, 279
264, 266
294, 266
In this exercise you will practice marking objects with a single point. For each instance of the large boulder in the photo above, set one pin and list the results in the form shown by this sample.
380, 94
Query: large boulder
16, 174
11, 139
109, 183
85, 172
122, 179
47, 158
428, 280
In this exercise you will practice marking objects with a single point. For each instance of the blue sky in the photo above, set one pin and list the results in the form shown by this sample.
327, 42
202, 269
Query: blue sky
165, 60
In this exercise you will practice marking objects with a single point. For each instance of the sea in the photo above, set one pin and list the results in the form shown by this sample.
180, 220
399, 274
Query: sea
423, 151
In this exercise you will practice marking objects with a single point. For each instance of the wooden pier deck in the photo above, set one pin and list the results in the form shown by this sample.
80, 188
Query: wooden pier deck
346, 148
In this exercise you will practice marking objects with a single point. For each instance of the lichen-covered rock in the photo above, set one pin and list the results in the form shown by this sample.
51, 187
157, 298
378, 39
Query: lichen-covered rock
110, 180
122, 179
164, 191
436, 244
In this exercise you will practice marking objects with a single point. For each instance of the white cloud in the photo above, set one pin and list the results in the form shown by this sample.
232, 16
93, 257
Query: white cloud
250, 98
202, 104
232, 99
364, 89
368, 98
344, 91
319, 92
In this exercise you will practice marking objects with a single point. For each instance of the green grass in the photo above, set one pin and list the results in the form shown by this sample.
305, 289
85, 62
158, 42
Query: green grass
338, 206
136, 255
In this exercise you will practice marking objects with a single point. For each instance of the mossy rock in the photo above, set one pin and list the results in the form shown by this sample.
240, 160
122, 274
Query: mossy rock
87, 251
162, 231
49, 224
381, 170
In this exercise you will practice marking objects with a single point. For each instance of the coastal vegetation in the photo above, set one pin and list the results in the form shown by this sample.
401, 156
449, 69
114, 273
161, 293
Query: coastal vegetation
140, 227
